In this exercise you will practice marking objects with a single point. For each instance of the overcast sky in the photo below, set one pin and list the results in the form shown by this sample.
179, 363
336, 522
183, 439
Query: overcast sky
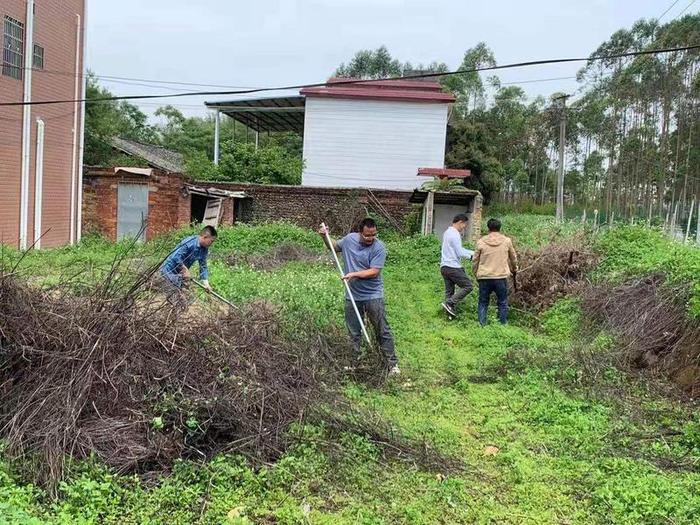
278, 42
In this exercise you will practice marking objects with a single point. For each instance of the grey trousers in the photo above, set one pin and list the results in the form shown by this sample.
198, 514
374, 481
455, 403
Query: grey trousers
175, 291
374, 311
455, 277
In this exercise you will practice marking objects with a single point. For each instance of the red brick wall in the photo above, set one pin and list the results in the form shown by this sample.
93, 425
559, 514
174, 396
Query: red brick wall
55, 25
340, 208
168, 206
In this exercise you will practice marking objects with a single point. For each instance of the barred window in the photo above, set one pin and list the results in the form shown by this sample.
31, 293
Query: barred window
13, 41
38, 62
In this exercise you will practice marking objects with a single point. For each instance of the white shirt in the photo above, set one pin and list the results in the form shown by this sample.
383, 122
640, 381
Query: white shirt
452, 249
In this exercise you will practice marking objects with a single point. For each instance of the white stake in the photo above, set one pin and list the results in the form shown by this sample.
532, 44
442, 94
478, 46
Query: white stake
347, 285
690, 218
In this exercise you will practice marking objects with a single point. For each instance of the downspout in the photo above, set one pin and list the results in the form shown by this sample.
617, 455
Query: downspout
26, 127
75, 132
83, 87
38, 182
217, 124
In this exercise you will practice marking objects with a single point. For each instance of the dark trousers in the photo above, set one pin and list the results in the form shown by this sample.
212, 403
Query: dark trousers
500, 288
455, 277
375, 311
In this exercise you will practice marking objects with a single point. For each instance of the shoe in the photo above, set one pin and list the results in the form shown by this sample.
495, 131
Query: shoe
394, 371
449, 310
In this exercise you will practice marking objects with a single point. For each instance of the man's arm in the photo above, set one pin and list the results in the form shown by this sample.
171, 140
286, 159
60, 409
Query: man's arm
512, 257
370, 273
334, 244
475, 259
204, 269
376, 263
178, 256
456, 245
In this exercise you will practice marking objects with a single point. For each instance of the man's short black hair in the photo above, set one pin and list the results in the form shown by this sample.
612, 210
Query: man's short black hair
460, 217
367, 222
494, 225
208, 230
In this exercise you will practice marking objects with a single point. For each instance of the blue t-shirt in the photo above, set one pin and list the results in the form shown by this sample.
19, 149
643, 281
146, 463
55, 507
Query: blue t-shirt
358, 257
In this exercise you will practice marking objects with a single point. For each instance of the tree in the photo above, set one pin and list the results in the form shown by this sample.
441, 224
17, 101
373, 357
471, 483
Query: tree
371, 64
105, 119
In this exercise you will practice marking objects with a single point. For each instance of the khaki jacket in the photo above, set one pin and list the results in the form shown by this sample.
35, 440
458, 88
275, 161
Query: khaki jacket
495, 257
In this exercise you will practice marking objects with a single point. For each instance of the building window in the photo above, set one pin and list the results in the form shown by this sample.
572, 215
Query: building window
38, 62
12, 43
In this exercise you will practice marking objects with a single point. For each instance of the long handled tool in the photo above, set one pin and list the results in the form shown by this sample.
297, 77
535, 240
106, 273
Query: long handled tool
347, 285
212, 292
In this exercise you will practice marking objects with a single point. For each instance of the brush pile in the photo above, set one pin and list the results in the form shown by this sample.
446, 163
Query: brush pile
118, 374
551, 273
653, 328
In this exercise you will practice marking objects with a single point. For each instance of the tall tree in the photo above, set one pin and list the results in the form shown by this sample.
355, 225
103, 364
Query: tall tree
105, 119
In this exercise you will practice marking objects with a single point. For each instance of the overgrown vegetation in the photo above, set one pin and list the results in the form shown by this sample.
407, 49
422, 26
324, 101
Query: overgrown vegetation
547, 428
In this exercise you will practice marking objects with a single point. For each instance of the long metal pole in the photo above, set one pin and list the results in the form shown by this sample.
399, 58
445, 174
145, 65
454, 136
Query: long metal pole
217, 125
562, 147
347, 285
212, 292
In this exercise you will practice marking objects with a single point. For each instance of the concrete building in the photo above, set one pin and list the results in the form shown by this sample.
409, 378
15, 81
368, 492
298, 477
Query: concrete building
41, 145
356, 134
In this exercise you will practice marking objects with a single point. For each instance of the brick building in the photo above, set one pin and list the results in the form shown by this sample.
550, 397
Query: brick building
41, 145
121, 202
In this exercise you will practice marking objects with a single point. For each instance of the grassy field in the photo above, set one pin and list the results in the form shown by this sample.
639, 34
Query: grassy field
542, 441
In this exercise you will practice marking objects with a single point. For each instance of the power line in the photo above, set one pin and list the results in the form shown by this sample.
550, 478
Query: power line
684, 10
132, 79
355, 81
667, 10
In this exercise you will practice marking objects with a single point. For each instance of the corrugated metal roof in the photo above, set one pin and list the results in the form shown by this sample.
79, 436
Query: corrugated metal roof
265, 114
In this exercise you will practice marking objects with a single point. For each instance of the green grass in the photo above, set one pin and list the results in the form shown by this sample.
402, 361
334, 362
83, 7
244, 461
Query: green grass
638, 251
566, 454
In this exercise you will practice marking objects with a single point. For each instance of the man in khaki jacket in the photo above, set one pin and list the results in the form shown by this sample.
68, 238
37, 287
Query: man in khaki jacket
493, 262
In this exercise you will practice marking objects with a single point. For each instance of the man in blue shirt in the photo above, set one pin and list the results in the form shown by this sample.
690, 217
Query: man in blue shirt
175, 268
363, 258
451, 265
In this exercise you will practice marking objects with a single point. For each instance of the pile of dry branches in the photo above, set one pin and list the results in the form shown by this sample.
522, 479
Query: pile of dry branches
653, 329
551, 273
119, 375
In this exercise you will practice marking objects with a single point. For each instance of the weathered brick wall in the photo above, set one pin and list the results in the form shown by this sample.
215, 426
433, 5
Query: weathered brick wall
340, 208
168, 205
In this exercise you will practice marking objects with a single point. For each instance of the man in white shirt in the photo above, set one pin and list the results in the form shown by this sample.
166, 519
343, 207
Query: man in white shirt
451, 265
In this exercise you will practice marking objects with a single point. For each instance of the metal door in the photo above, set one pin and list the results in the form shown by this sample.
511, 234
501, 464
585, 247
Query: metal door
132, 210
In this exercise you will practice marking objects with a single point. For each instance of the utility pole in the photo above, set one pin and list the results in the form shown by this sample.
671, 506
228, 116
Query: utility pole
562, 147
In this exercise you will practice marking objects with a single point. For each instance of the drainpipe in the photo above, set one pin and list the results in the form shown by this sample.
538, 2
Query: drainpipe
74, 147
83, 80
26, 126
38, 182
217, 124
